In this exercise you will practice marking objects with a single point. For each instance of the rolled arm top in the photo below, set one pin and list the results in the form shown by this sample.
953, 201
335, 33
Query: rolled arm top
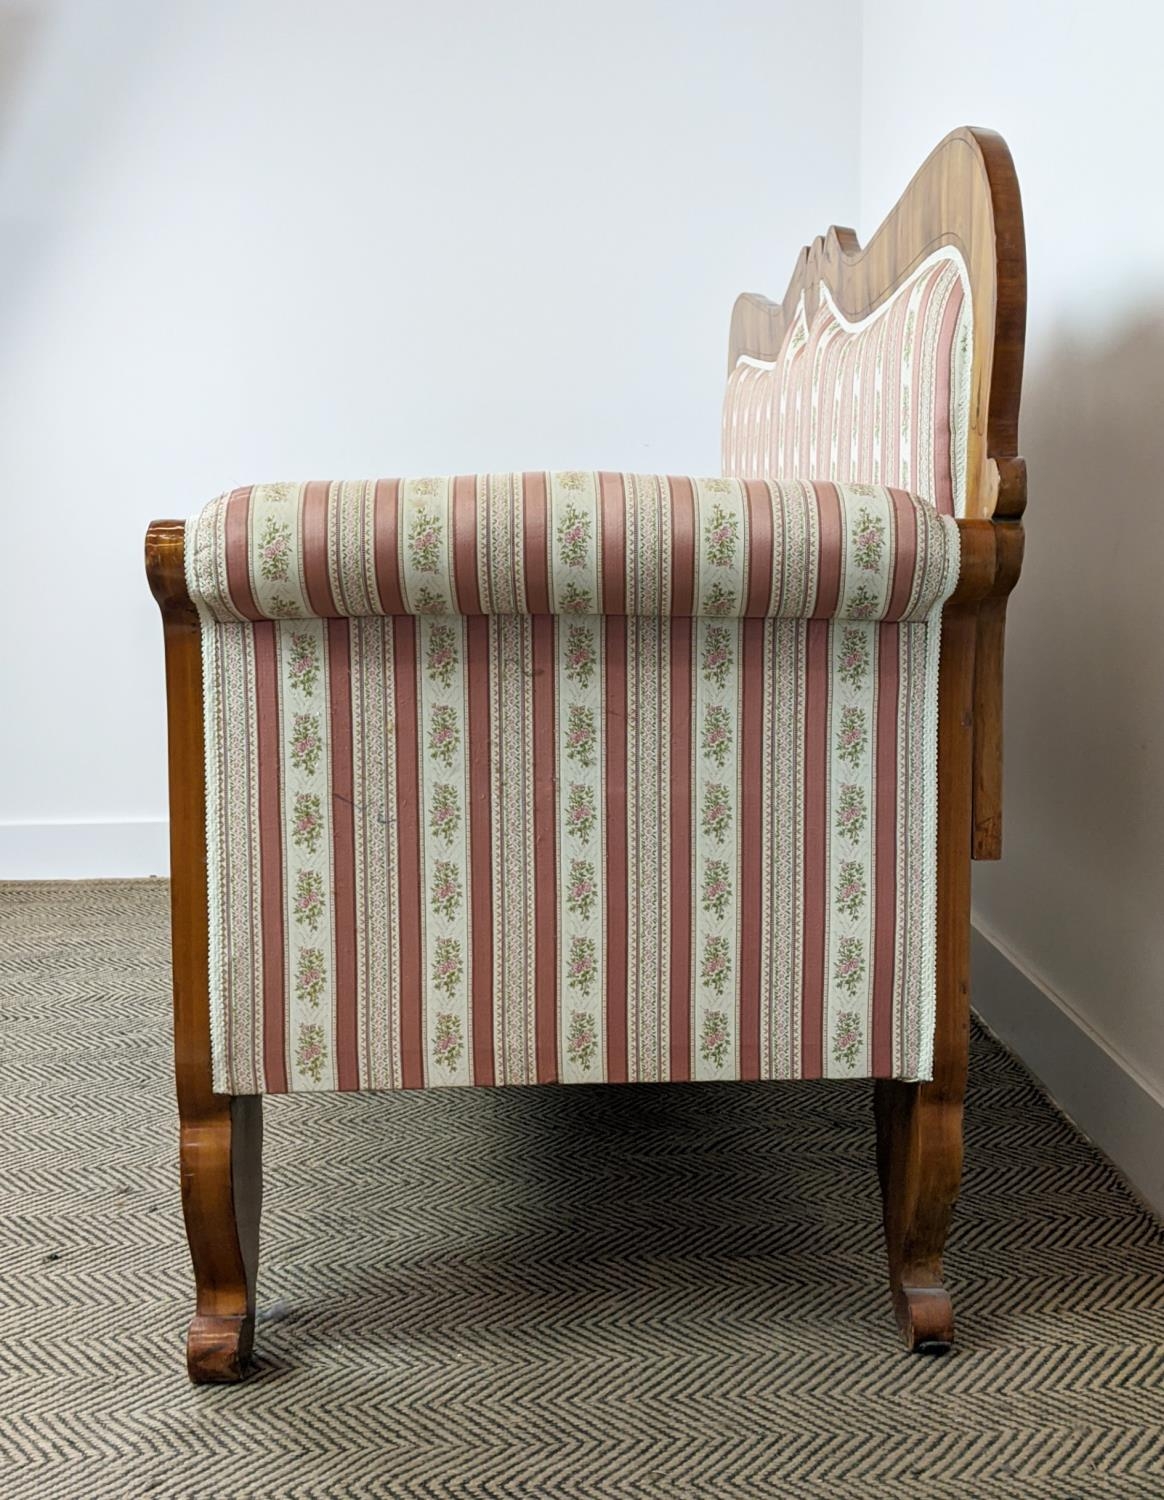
570, 543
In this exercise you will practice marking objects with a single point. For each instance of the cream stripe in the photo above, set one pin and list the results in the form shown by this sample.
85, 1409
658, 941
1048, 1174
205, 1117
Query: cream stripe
648, 850
426, 545
581, 754
276, 551
307, 851
574, 573
514, 972
376, 855
446, 958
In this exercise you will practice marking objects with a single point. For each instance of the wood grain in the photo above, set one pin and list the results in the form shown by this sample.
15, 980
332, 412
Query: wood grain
220, 1137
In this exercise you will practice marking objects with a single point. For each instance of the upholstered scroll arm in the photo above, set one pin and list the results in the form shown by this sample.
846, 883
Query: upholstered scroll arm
571, 543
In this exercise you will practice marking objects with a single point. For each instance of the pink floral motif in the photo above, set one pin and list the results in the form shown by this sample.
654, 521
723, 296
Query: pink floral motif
573, 537
441, 659
581, 658
446, 894
429, 602
868, 540
717, 654
447, 965
282, 608
717, 734
275, 550
582, 965
581, 734
306, 822
306, 743
447, 1041
852, 735
861, 603
444, 816
714, 1038
582, 1040
850, 894
424, 540
851, 812
719, 600
581, 815
847, 1037
310, 1051
716, 965
717, 810
720, 536
308, 905
444, 734
717, 886
575, 600
310, 975
582, 889
303, 666
853, 661
849, 969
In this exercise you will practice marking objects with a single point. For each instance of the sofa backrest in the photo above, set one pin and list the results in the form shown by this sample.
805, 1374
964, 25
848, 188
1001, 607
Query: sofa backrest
884, 400
898, 362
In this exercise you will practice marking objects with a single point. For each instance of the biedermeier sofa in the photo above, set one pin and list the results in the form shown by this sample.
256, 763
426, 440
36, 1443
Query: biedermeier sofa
582, 777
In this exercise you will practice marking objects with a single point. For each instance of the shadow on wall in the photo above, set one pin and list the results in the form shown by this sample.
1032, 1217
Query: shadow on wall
1081, 886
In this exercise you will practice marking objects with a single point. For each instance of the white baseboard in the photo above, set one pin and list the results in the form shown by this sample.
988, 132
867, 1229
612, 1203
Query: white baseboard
1099, 1090
84, 851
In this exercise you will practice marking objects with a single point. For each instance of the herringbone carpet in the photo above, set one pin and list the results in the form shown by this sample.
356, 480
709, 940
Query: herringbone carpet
557, 1292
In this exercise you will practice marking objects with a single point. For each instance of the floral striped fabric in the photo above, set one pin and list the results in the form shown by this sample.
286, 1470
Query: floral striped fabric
883, 401
569, 777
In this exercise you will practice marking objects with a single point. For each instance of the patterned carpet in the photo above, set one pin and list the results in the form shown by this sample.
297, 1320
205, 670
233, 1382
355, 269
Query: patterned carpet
556, 1292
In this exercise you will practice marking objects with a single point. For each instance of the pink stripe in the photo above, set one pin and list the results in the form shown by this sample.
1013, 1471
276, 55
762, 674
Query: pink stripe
885, 850
816, 692
315, 549
617, 896
404, 636
904, 554
479, 741
271, 857
466, 578
682, 793
385, 532
759, 550
612, 545
831, 531
339, 655
536, 538
545, 849
682, 547
237, 541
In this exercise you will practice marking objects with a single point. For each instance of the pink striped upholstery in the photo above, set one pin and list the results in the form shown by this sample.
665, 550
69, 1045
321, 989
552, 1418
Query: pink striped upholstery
885, 401
570, 777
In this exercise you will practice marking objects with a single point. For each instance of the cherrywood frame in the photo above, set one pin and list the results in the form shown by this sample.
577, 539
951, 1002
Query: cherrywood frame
965, 195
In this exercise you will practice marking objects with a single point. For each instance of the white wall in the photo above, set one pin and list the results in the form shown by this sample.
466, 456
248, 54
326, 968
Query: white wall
1075, 908
253, 239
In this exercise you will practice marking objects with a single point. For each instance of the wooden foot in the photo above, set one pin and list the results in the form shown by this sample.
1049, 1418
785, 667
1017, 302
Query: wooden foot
221, 1137
919, 1160
221, 1199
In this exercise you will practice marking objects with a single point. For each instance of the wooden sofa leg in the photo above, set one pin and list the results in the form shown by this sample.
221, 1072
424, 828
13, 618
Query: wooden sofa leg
221, 1199
919, 1125
220, 1136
